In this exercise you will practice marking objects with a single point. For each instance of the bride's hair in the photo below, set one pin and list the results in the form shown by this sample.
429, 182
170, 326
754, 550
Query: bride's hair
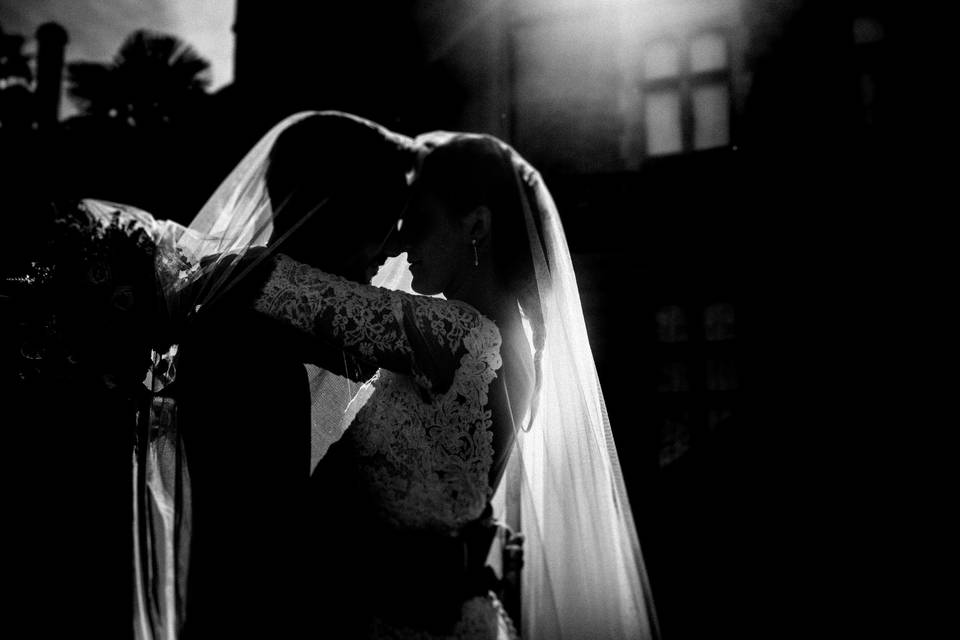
346, 173
472, 170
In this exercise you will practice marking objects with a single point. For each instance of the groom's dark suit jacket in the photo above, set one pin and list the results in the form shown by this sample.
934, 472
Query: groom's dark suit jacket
244, 404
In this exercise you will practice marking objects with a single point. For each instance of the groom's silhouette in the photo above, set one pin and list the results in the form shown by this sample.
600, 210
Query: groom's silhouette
244, 397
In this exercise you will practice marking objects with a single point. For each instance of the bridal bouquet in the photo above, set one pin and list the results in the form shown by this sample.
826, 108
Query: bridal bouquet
85, 303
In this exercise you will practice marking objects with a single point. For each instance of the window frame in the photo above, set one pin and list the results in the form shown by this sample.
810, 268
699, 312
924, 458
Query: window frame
685, 83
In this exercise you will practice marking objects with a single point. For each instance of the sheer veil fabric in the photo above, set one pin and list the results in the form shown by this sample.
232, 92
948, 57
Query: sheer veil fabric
583, 574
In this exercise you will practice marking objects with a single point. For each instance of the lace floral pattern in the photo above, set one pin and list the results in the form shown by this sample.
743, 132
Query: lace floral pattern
425, 454
359, 316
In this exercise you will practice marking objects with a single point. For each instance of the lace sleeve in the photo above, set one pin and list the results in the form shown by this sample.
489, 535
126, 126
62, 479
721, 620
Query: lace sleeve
406, 333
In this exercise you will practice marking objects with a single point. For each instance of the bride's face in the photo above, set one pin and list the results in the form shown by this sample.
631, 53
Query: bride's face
437, 245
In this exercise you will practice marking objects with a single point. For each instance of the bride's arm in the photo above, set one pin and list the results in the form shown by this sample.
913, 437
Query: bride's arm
412, 334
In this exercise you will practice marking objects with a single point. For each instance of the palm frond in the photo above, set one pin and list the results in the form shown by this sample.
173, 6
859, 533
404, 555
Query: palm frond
153, 78
166, 55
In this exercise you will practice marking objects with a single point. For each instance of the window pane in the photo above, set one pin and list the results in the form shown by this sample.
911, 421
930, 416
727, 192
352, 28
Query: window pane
721, 375
662, 117
867, 31
662, 60
718, 322
673, 377
671, 324
708, 52
711, 115
718, 418
674, 437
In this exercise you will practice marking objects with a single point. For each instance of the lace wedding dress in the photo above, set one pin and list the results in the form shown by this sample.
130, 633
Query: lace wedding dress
420, 431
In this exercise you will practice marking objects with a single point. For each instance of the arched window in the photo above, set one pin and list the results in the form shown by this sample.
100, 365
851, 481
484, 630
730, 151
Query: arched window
671, 324
697, 375
686, 94
718, 322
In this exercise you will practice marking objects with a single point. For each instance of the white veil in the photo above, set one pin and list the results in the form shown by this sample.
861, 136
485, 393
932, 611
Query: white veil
582, 556
583, 571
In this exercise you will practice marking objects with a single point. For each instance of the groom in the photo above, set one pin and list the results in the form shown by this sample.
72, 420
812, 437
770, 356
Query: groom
244, 397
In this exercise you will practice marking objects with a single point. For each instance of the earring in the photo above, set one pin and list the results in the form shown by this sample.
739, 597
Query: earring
476, 256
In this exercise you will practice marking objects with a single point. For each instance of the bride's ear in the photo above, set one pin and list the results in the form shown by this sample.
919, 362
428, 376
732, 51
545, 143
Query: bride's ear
476, 224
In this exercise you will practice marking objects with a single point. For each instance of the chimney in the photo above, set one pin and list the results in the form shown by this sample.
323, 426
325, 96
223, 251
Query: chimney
51, 42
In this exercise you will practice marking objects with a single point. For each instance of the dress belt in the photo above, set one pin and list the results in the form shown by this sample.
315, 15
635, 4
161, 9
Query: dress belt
423, 578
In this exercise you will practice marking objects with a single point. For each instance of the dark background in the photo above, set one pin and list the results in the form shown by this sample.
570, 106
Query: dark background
747, 304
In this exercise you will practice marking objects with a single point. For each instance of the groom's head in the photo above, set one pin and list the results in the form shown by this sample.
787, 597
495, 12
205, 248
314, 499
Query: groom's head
337, 185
